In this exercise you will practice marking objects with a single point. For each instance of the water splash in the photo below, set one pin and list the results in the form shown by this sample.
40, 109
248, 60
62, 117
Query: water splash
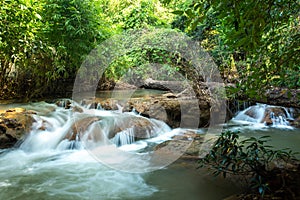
263, 116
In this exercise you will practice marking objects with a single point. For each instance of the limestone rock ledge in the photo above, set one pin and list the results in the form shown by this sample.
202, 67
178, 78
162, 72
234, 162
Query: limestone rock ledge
14, 125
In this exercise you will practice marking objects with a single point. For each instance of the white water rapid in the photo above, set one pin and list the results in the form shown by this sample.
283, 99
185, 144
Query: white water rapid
56, 161
52, 161
262, 115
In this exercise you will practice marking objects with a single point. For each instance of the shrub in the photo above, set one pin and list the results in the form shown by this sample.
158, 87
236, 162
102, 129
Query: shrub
251, 158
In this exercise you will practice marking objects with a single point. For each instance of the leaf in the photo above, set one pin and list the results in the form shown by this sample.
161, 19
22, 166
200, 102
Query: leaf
189, 13
177, 12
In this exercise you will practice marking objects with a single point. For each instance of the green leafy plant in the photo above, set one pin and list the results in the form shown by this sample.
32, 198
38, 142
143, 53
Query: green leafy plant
251, 158
43, 43
261, 37
146, 55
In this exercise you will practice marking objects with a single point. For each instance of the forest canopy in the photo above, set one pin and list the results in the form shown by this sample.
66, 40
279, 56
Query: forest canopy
256, 44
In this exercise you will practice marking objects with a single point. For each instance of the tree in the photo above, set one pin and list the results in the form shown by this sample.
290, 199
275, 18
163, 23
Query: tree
44, 42
72, 29
260, 38
19, 23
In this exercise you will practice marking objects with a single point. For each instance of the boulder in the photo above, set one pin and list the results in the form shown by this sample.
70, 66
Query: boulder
271, 112
79, 127
171, 109
252, 112
296, 122
174, 86
65, 103
14, 125
141, 127
189, 145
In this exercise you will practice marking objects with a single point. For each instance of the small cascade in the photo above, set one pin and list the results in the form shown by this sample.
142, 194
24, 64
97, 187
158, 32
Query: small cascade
274, 116
237, 106
252, 114
48, 130
61, 127
99, 107
123, 129
124, 137
278, 120
120, 108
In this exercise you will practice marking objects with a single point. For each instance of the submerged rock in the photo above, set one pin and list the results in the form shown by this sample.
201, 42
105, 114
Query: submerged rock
192, 143
79, 127
134, 126
14, 124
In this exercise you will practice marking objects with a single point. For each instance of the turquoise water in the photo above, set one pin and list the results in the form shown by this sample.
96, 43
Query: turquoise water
42, 169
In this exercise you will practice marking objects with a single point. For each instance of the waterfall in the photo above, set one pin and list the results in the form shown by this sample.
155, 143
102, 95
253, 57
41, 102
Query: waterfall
59, 127
267, 115
124, 137
252, 114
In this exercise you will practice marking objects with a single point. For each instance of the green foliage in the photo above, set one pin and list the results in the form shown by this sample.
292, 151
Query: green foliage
255, 44
137, 14
72, 28
261, 37
45, 41
19, 23
147, 58
251, 158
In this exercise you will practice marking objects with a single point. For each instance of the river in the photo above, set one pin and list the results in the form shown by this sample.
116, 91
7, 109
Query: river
46, 166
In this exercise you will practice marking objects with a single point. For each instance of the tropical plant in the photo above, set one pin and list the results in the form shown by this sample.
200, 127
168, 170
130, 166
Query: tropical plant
148, 50
19, 23
251, 158
260, 39
44, 42
72, 29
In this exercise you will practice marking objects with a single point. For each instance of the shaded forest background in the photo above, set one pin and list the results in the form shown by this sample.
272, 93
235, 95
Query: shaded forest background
256, 44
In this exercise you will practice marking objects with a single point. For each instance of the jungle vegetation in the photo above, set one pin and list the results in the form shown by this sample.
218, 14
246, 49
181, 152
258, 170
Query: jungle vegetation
255, 44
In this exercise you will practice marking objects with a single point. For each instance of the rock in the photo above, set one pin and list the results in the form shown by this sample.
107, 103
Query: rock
176, 112
271, 112
187, 144
65, 103
79, 127
141, 127
16, 110
296, 122
93, 105
169, 95
124, 86
252, 113
174, 86
77, 109
32, 112
14, 124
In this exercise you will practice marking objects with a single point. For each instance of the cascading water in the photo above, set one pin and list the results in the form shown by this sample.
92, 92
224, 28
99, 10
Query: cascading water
53, 126
265, 115
51, 160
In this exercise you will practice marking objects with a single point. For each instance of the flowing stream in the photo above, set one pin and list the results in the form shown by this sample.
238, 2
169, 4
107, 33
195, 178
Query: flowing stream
47, 165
